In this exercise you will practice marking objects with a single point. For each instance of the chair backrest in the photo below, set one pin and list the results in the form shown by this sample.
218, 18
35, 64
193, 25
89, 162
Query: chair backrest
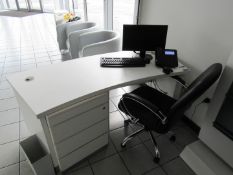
77, 25
99, 42
195, 90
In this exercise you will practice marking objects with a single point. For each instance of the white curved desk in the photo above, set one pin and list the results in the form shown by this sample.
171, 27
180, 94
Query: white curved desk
63, 96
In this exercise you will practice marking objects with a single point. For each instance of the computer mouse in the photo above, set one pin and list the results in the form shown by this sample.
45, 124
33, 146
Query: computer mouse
167, 70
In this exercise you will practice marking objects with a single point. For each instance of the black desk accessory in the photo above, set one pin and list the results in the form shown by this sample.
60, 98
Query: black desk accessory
166, 58
144, 38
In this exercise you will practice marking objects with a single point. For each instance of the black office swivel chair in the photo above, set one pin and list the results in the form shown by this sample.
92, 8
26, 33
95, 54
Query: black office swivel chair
155, 111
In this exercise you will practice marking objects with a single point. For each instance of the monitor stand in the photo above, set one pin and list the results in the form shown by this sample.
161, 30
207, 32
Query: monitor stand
146, 57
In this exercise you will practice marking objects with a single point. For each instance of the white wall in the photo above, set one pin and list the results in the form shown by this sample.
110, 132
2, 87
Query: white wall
201, 31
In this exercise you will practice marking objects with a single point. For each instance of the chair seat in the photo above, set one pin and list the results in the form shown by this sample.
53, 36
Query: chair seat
145, 116
159, 99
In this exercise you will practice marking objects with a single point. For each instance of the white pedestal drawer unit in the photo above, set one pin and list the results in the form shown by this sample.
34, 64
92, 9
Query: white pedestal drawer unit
79, 130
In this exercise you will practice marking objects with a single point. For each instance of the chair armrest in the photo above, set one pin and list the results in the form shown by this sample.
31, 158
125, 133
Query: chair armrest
73, 26
75, 42
147, 104
102, 47
61, 35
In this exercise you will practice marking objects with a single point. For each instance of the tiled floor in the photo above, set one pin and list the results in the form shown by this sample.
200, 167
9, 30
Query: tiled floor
30, 42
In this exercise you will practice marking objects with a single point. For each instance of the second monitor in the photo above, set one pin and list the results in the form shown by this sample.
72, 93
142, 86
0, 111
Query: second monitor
144, 38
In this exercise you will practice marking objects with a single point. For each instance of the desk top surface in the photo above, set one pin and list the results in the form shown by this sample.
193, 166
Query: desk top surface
57, 86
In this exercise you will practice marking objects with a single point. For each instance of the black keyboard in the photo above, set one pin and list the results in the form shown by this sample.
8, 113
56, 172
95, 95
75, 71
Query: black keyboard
122, 62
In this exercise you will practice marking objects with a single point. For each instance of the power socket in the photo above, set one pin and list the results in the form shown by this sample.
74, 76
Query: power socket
206, 100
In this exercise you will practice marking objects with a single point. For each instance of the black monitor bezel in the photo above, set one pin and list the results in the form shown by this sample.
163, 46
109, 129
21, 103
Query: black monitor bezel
152, 48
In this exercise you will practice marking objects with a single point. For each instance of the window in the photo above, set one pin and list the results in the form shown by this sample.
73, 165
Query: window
123, 13
12, 4
95, 11
108, 14
48, 5
79, 8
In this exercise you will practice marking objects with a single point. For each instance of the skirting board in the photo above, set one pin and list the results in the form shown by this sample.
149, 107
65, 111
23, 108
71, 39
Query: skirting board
204, 161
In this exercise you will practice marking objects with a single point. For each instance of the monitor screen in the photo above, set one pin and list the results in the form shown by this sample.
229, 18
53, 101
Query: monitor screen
144, 37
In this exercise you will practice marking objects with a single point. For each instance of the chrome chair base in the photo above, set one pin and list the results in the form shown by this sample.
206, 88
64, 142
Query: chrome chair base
131, 136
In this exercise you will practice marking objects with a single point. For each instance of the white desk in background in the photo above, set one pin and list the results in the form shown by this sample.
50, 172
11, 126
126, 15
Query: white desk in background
67, 104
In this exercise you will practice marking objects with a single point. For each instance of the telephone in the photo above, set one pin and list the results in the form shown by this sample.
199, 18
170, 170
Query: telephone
166, 58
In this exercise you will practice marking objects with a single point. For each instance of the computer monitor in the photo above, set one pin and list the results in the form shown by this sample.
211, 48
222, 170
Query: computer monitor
144, 38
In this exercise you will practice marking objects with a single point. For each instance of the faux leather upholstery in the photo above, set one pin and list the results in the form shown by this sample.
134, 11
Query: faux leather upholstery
144, 102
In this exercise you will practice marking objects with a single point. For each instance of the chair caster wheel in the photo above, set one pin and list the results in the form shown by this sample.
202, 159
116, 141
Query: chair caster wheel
172, 138
156, 159
123, 145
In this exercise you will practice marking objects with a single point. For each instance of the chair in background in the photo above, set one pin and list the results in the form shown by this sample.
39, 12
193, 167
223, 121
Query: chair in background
92, 43
72, 29
59, 16
155, 111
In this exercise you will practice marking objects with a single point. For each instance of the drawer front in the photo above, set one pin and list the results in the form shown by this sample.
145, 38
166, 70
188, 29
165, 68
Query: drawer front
76, 109
83, 152
86, 136
77, 124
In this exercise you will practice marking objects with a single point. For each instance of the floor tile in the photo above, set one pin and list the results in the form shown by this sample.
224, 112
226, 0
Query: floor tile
27, 54
116, 100
177, 167
12, 63
82, 164
3, 78
128, 89
42, 59
6, 93
9, 154
25, 168
184, 136
22, 156
21, 117
56, 61
118, 135
156, 171
8, 117
11, 69
9, 103
82, 171
24, 132
103, 153
40, 64
4, 85
9, 133
167, 149
56, 57
138, 159
41, 54
116, 120
144, 136
8, 59
10, 170
29, 61
116, 92
112, 165
112, 107
25, 67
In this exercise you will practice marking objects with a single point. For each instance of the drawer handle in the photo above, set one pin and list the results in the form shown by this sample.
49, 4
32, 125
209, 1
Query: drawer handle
104, 108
